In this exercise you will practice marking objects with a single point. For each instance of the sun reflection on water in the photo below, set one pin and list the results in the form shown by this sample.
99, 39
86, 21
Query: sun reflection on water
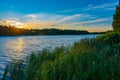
17, 46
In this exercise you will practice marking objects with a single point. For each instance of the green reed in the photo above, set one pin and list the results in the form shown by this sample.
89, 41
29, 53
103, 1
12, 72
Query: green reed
88, 59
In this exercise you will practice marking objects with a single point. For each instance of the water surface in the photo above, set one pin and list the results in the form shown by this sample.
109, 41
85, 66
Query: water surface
16, 47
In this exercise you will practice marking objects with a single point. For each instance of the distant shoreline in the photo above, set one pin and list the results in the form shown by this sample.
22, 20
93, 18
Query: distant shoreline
13, 31
53, 35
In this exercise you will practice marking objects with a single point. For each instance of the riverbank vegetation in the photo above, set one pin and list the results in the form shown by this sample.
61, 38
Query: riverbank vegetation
88, 59
14, 31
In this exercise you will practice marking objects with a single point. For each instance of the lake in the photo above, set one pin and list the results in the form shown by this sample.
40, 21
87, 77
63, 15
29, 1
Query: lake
17, 47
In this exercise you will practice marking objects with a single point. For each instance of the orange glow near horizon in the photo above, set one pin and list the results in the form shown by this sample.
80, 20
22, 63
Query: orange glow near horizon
13, 23
48, 25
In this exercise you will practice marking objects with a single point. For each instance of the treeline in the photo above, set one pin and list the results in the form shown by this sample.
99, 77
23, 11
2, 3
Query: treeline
8, 30
11, 31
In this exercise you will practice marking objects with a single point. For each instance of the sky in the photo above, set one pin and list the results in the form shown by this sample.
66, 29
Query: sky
91, 15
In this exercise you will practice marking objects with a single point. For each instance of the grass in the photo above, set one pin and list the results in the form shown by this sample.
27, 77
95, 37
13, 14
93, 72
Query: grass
88, 59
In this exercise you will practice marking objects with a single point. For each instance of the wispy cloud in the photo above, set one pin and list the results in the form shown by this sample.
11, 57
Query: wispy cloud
73, 18
66, 11
106, 6
56, 18
43, 17
90, 7
95, 22
99, 20
47, 20
30, 16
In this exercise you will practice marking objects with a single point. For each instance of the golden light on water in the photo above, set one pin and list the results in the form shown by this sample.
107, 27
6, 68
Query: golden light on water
18, 47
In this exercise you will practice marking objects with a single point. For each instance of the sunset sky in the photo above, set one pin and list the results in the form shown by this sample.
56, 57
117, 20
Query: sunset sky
91, 15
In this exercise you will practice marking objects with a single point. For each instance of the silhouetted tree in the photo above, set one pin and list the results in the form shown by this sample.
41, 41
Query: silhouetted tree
116, 19
13, 31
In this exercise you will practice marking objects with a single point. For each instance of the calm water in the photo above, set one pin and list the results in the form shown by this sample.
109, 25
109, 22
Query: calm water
15, 47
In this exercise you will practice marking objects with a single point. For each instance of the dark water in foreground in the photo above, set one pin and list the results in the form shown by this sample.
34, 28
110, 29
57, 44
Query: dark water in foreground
16, 47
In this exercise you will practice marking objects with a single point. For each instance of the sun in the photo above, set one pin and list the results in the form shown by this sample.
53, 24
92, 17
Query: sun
19, 25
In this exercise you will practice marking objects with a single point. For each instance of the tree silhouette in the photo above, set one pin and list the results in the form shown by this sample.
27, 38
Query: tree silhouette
116, 19
11, 30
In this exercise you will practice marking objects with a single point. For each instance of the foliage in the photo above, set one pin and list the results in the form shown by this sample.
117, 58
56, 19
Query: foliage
116, 19
88, 59
110, 38
9, 30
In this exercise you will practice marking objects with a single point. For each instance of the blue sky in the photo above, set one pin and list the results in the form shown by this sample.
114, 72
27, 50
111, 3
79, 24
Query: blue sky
91, 15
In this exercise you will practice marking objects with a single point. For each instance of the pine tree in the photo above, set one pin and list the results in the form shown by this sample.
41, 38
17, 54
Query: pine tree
116, 19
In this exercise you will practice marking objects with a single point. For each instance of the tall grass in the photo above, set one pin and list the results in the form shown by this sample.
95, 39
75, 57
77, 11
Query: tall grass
88, 59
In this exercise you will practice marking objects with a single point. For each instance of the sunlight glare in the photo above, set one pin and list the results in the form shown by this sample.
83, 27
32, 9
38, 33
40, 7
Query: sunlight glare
13, 23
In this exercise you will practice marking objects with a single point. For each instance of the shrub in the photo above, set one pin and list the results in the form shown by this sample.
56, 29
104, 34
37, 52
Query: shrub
110, 38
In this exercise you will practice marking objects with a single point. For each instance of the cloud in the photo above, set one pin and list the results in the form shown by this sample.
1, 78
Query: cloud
74, 18
69, 18
90, 5
60, 21
10, 15
31, 16
110, 9
99, 20
44, 20
43, 17
105, 6
69, 10
13, 23
57, 18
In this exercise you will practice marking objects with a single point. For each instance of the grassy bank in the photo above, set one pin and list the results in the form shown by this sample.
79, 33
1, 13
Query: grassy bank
88, 59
